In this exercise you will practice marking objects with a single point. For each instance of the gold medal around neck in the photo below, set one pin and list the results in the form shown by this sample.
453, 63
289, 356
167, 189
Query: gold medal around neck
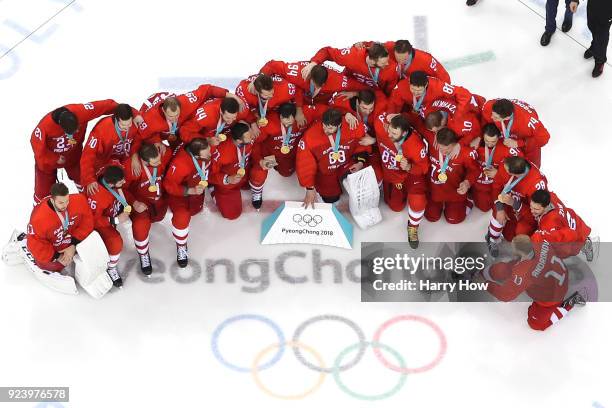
399, 186
399, 158
262, 122
171, 138
241, 172
335, 155
203, 183
442, 177
285, 149
153, 189
222, 137
127, 209
72, 141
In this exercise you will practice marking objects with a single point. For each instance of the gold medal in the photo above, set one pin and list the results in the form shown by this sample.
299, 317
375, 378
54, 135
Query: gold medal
285, 149
171, 138
399, 158
127, 209
262, 122
442, 177
335, 155
399, 186
222, 137
153, 189
72, 141
241, 172
203, 183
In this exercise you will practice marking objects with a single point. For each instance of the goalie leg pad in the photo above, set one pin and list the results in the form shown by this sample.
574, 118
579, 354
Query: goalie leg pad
90, 266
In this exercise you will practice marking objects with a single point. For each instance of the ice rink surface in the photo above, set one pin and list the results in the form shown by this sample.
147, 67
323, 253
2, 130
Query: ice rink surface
149, 344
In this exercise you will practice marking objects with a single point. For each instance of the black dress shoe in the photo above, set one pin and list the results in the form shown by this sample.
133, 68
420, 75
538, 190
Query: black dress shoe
471, 2
566, 26
588, 54
545, 40
598, 69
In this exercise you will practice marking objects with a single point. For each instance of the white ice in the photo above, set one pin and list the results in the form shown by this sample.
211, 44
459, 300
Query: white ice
148, 345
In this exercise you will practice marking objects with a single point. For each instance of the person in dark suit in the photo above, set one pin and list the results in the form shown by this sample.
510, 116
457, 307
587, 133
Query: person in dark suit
551, 16
599, 19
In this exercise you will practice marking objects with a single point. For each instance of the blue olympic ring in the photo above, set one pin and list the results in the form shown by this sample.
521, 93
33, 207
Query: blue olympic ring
259, 318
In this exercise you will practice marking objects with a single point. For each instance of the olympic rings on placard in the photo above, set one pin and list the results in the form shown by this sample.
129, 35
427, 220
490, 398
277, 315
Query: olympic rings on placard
419, 319
307, 219
349, 323
263, 319
375, 346
295, 345
337, 367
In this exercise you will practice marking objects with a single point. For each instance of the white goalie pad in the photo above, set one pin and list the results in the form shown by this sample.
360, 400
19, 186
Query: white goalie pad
364, 197
90, 266
16, 252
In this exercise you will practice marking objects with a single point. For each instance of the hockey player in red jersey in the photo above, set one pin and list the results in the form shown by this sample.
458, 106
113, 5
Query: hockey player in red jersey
513, 184
490, 155
276, 148
519, 124
233, 161
111, 207
559, 225
185, 182
417, 94
57, 225
321, 84
453, 172
213, 120
262, 93
370, 66
165, 113
404, 161
57, 142
360, 107
109, 141
150, 204
328, 150
538, 271
467, 127
409, 59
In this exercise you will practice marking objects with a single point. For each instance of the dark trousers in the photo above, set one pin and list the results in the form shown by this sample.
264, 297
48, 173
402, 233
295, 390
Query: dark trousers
551, 14
599, 25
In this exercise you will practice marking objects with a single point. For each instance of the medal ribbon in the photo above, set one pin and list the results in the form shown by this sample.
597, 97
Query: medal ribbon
374, 75
335, 143
119, 131
153, 178
62, 219
118, 196
511, 183
402, 68
241, 156
220, 126
443, 164
506, 130
286, 134
263, 108
416, 104
198, 167
173, 127
489, 156
398, 145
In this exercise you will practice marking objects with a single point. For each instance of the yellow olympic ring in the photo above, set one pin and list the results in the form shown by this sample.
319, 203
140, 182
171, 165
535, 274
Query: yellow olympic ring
262, 354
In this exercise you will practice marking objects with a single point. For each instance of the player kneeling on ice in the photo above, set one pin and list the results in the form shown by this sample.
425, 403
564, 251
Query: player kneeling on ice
110, 205
453, 172
540, 272
185, 182
404, 162
513, 184
60, 236
558, 224
328, 151
150, 203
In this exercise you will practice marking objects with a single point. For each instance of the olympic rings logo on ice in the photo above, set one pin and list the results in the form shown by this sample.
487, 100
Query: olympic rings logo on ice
307, 220
259, 362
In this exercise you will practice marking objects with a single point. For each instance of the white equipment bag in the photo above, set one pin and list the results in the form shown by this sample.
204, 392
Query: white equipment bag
16, 252
90, 263
364, 197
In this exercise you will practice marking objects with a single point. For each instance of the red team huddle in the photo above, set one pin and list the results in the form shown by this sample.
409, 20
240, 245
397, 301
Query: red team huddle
436, 149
